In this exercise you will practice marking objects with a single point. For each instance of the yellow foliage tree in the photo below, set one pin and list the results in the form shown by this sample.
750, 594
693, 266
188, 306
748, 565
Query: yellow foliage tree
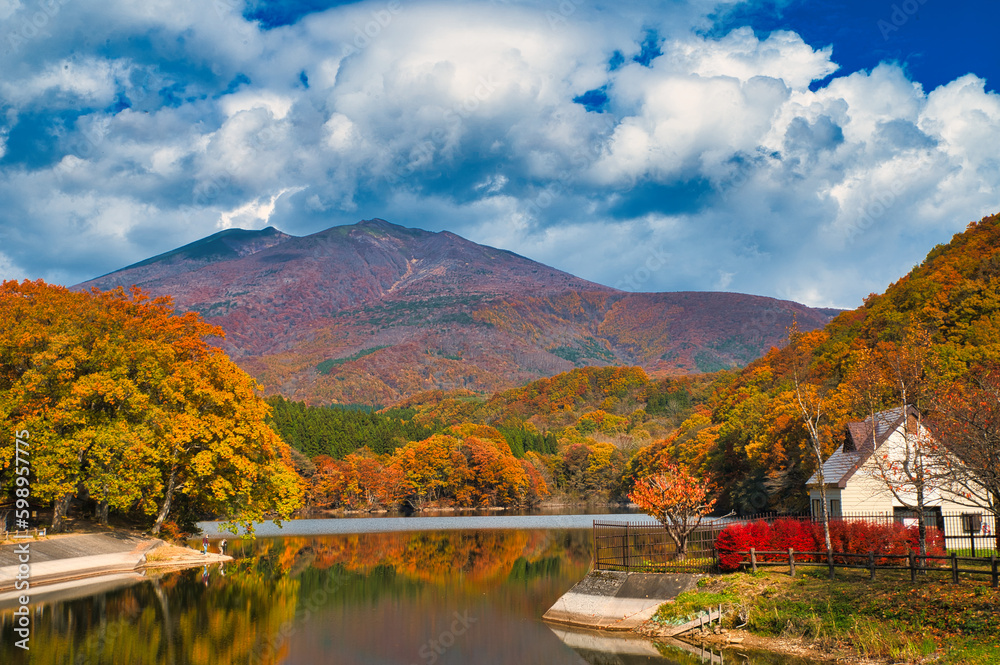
127, 404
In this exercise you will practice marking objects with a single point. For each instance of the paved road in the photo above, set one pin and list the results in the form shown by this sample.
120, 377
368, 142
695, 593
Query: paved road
67, 547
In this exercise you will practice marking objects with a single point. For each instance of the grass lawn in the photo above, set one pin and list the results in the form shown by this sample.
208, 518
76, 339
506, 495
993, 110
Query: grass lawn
890, 619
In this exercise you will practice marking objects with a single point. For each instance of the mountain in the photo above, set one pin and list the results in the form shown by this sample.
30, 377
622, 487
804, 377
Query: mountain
374, 312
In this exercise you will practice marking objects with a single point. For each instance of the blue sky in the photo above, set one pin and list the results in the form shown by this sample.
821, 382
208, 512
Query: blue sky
808, 150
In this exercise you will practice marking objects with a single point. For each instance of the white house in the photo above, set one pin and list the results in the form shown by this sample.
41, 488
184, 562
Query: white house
855, 478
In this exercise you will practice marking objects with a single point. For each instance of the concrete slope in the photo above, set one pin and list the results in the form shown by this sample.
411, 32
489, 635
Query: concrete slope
607, 600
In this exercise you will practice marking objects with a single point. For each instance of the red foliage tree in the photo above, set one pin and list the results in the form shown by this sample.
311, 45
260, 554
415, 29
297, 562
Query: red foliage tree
677, 500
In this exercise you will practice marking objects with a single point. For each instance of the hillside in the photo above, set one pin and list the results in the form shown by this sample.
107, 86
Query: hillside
374, 312
755, 444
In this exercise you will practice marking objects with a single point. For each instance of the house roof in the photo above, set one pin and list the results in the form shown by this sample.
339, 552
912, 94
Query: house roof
863, 438
839, 467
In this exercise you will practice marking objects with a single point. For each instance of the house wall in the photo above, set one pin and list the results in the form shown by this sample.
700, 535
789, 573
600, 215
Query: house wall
832, 495
866, 491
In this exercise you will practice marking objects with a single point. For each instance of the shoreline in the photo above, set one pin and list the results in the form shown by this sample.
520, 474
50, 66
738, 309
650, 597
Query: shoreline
65, 561
741, 639
851, 619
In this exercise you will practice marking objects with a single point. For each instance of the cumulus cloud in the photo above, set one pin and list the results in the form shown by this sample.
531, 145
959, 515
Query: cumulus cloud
577, 136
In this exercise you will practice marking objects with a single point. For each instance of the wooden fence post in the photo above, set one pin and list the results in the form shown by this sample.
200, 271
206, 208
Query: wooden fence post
829, 561
871, 565
753, 560
993, 568
913, 566
954, 568
791, 562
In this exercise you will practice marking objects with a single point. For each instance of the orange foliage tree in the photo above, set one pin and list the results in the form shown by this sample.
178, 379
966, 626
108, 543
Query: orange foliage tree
966, 419
126, 404
471, 465
677, 500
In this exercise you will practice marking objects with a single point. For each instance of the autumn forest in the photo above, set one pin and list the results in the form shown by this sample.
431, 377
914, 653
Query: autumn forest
131, 409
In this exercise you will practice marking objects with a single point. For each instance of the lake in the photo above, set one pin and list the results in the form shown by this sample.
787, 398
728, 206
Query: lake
371, 591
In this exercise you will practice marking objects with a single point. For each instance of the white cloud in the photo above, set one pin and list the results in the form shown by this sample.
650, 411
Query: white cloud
87, 81
277, 105
461, 116
254, 214
783, 55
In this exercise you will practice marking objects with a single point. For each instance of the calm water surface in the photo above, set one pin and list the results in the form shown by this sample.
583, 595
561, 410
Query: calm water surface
441, 592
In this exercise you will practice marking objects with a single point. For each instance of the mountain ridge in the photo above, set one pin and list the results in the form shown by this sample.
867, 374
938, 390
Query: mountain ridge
374, 312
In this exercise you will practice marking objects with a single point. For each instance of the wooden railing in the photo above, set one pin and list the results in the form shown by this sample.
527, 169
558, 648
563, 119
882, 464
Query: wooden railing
915, 563
24, 533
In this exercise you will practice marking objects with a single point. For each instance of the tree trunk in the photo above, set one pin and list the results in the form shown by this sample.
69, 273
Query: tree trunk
60, 509
826, 510
102, 512
168, 498
996, 520
922, 523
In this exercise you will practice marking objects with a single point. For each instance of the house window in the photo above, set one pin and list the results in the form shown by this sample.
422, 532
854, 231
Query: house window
834, 507
817, 508
933, 517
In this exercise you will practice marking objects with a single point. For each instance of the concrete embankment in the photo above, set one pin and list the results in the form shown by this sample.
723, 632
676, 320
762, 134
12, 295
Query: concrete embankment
607, 600
57, 565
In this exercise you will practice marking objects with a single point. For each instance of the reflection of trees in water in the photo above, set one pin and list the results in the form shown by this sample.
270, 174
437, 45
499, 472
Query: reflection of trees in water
173, 620
252, 614
480, 559
524, 571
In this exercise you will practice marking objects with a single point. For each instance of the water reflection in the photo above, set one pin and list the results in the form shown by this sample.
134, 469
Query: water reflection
174, 619
415, 598
603, 648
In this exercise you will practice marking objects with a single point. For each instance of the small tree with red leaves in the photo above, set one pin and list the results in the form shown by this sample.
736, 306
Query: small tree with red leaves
677, 500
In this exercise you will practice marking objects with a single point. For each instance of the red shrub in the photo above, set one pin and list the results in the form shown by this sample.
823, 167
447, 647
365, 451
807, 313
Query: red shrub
935, 540
796, 534
846, 536
737, 538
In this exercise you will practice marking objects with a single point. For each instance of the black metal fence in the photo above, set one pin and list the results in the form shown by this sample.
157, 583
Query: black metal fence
647, 547
972, 533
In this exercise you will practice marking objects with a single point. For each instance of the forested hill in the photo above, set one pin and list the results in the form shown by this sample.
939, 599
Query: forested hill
374, 313
577, 431
943, 317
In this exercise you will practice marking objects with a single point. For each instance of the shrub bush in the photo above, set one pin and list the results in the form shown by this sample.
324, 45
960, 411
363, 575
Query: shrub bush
846, 536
